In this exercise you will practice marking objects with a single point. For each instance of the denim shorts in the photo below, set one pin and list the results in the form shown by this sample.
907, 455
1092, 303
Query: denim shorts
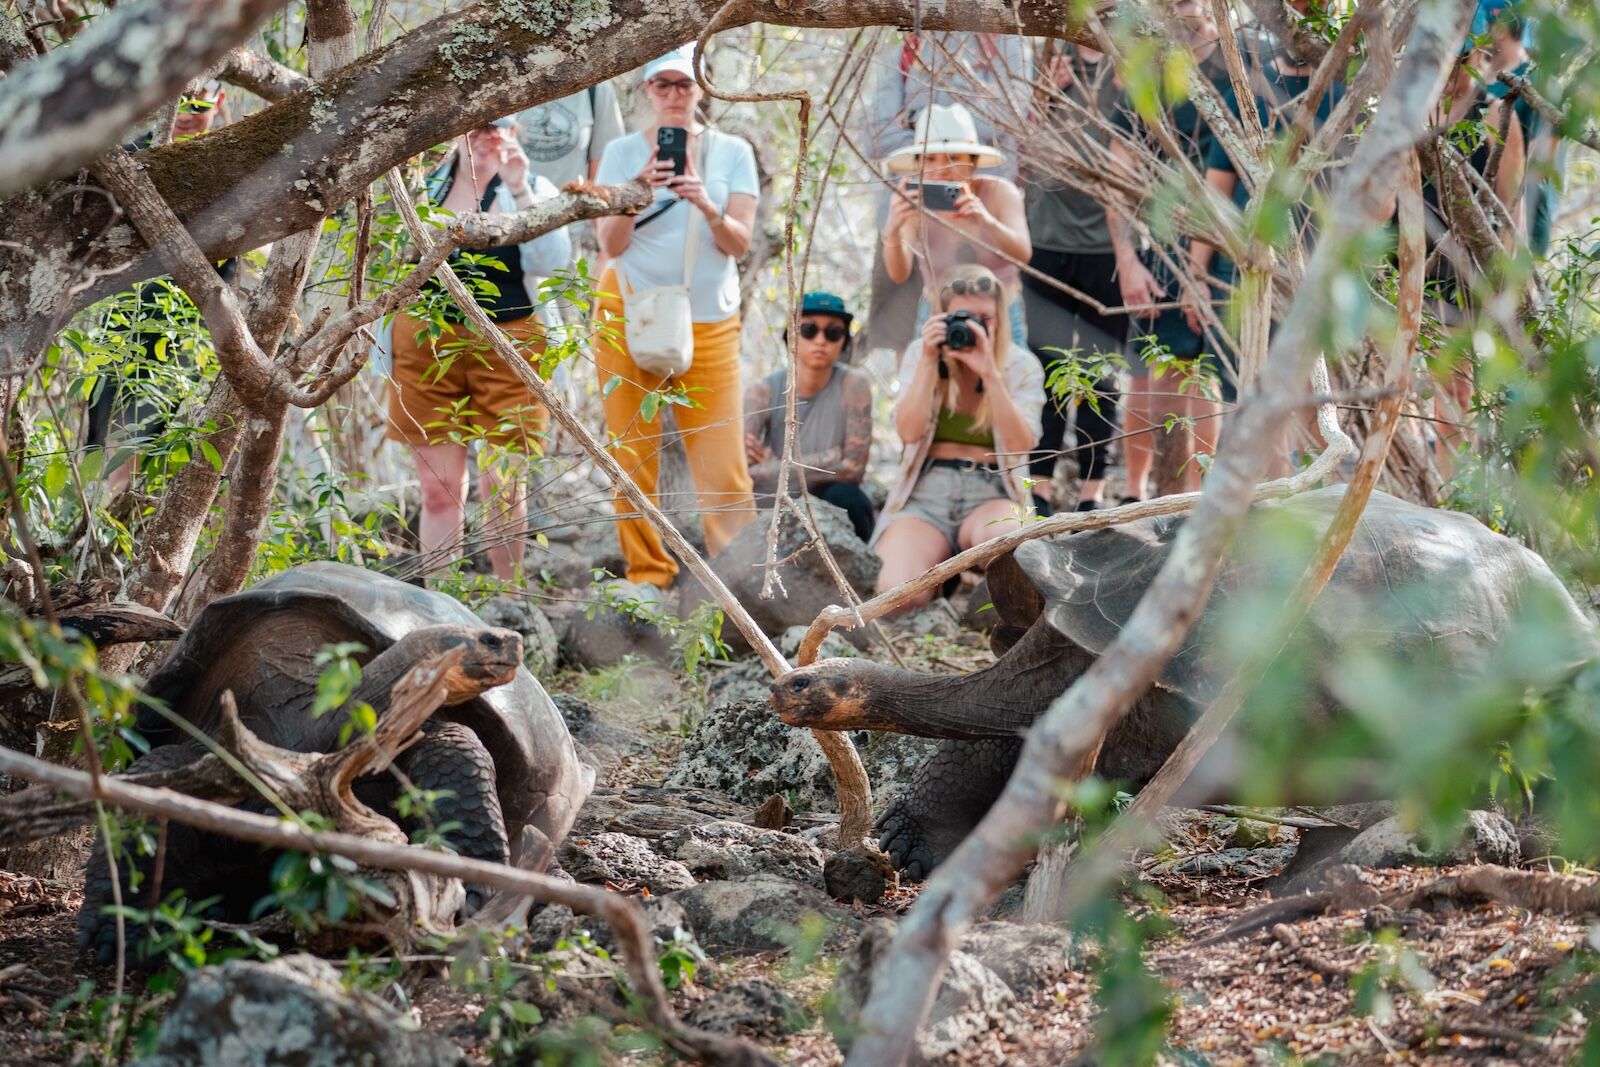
945, 496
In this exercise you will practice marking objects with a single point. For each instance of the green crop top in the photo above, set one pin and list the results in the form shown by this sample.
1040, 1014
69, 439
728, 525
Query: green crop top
957, 429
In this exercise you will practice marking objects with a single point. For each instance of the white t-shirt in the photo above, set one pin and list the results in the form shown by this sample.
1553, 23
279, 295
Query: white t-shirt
655, 258
560, 137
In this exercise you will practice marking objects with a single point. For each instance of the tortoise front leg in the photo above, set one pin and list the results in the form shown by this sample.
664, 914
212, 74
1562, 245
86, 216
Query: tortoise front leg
953, 790
201, 864
450, 758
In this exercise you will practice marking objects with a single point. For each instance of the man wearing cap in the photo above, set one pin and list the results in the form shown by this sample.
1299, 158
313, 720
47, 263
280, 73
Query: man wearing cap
833, 413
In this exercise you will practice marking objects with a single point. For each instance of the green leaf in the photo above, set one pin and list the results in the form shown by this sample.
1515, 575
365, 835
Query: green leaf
649, 406
524, 1013
209, 450
55, 477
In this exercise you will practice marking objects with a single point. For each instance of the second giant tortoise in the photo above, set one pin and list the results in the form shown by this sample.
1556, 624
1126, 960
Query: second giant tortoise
1420, 584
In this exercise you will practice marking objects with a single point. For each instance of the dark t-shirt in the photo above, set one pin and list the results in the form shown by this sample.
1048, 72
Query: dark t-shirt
1194, 134
1277, 113
1062, 217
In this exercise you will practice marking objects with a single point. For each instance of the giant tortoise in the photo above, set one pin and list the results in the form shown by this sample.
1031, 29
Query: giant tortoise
1428, 585
498, 753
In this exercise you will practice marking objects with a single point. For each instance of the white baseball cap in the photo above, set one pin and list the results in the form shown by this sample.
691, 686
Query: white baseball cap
678, 61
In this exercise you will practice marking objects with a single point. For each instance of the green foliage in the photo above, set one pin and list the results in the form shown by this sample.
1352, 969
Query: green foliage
317, 890
340, 677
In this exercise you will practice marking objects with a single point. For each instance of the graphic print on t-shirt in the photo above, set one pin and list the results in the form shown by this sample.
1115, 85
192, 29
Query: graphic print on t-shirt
550, 131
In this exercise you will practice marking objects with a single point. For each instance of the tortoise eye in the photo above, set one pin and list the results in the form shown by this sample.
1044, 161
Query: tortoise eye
800, 684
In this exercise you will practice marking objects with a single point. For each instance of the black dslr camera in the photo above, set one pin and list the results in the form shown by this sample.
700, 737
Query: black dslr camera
960, 330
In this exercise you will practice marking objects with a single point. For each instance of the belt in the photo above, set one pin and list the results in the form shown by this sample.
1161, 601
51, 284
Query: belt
964, 465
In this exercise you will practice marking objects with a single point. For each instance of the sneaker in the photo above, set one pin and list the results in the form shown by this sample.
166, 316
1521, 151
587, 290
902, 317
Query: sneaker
1088, 505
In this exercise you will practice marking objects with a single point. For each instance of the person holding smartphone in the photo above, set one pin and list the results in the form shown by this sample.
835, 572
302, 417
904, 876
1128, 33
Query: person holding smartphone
707, 193
968, 415
945, 213
448, 388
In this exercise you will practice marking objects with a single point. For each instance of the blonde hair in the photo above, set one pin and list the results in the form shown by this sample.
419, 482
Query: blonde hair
968, 274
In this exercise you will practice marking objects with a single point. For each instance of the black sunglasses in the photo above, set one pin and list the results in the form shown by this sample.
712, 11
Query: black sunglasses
982, 285
833, 331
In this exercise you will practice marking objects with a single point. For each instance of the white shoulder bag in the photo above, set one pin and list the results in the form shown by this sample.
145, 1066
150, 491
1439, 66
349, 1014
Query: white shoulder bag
659, 324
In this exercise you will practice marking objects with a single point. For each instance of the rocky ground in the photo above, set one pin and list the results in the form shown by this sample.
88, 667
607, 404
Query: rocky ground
758, 947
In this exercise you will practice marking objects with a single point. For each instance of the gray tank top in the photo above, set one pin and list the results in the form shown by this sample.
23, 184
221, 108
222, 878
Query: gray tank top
820, 418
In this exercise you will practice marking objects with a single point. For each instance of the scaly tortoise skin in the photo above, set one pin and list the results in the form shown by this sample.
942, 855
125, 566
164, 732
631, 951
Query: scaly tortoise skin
502, 753
1414, 582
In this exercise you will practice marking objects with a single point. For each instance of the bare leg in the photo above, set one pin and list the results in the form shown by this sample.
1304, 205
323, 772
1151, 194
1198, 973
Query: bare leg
989, 521
909, 547
501, 484
1139, 423
442, 470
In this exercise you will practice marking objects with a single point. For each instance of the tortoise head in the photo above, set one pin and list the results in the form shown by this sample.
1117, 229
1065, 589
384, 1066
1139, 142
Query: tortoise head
833, 694
490, 656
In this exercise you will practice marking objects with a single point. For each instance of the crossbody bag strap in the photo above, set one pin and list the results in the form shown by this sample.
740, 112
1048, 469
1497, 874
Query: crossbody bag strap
691, 236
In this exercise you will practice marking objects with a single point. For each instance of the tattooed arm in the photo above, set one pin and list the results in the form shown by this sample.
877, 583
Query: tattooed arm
758, 454
846, 461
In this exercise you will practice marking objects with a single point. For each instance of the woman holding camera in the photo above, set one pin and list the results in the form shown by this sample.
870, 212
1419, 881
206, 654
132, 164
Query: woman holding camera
968, 414
710, 205
976, 218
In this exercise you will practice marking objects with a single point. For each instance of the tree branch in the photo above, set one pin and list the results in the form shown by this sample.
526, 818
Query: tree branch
63, 109
267, 78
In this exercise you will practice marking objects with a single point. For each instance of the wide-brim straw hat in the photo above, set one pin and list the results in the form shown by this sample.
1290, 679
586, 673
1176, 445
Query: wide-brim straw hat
944, 128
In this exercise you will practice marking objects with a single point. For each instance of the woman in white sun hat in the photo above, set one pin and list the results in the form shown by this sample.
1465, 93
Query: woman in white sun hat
987, 224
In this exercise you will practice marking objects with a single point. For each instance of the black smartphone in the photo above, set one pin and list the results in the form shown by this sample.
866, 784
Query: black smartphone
937, 196
672, 143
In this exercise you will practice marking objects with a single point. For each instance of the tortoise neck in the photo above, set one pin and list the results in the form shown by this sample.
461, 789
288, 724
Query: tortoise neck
1002, 700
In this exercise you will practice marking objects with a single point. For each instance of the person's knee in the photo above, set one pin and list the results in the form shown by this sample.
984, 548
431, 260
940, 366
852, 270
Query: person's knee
438, 497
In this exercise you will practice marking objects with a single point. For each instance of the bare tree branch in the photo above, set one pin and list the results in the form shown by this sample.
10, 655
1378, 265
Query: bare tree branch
1521, 86
267, 78
61, 110
315, 150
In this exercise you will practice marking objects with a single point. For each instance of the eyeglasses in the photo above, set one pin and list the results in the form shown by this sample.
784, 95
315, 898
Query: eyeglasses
982, 285
680, 86
833, 331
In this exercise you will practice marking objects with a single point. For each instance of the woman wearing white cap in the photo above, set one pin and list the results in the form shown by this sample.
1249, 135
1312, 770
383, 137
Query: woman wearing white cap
987, 223
700, 224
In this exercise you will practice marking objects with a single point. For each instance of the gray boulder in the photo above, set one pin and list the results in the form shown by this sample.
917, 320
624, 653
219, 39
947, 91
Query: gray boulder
604, 636
539, 647
972, 1000
808, 585
1486, 837
735, 850
760, 914
292, 1012
613, 857
751, 1007
1026, 957
743, 750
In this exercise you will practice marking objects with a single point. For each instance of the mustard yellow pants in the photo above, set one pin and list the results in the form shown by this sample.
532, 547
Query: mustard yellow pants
713, 435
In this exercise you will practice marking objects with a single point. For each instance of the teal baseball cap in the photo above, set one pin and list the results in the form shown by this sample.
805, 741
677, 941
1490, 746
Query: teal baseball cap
821, 303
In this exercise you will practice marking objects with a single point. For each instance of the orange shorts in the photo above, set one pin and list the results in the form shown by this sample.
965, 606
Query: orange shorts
455, 389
